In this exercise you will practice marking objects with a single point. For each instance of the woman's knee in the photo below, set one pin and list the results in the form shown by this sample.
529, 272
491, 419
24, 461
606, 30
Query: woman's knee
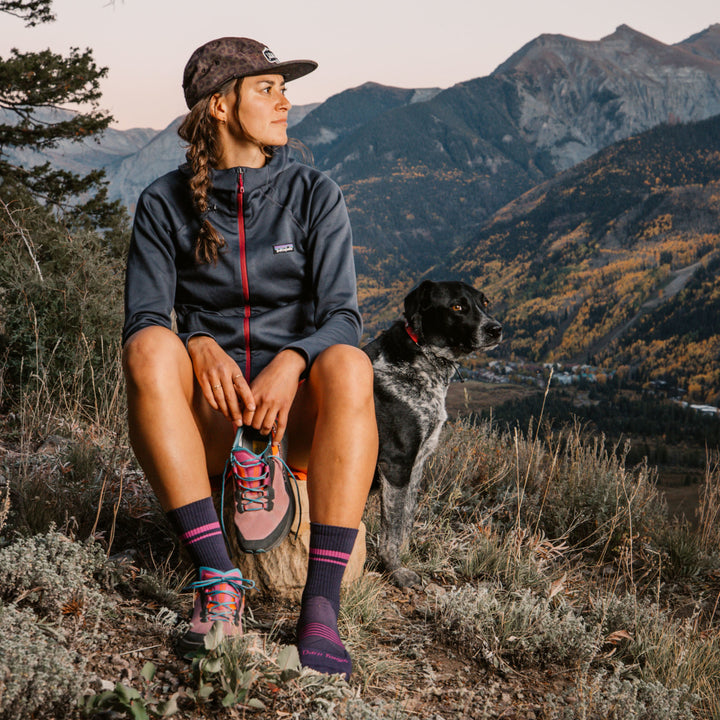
152, 353
344, 369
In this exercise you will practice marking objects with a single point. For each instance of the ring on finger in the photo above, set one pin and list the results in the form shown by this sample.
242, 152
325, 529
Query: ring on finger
215, 387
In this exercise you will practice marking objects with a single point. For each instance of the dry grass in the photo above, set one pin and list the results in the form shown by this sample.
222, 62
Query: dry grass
543, 525
709, 508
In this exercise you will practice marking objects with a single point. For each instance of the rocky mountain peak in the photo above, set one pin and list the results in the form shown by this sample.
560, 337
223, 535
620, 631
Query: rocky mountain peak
625, 48
625, 32
704, 44
577, 96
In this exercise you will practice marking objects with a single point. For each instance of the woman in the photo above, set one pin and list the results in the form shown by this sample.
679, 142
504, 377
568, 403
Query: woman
253, 252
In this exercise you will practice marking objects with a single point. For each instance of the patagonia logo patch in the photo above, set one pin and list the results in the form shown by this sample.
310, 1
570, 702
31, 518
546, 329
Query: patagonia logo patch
284, 248
270, 55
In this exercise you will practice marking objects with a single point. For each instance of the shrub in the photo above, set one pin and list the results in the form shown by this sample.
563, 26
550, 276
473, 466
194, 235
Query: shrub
60, 305
682, 555
664, 649
609, 696
38, 676
709, 510
50, 572
589, 496
517, 628
517, 558
90, 486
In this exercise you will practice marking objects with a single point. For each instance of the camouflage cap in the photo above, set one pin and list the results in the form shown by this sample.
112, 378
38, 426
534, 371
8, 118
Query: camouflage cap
218, 61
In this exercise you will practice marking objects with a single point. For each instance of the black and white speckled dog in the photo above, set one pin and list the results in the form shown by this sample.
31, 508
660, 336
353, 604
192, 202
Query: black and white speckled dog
414, 362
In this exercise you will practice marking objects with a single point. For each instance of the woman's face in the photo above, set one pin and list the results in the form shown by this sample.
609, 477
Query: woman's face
263, 110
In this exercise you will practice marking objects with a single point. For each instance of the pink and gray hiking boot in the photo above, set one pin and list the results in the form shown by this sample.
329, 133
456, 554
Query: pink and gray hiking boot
264, 501
219, 596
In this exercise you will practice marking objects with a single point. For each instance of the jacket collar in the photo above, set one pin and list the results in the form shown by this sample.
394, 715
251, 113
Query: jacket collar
253, 178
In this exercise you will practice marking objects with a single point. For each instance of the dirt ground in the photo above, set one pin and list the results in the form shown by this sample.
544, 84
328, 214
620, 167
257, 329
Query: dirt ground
431, 679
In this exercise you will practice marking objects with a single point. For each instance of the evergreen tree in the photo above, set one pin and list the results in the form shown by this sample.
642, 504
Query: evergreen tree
32, 85
33, 12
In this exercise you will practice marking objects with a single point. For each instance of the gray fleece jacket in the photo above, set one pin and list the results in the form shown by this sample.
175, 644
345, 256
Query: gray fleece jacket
286, 278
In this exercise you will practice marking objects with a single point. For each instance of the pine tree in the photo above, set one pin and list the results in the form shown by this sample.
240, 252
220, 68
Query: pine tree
31, 85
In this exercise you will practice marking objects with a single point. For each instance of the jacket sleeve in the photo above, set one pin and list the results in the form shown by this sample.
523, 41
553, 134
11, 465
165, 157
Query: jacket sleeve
332, 270
151, 275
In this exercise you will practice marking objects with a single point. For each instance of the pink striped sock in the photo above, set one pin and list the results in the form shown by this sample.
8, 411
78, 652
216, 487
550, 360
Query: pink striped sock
199, 531
330, 548
319, 644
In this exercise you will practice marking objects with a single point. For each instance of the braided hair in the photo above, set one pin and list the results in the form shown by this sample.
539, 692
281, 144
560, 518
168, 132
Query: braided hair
199, 130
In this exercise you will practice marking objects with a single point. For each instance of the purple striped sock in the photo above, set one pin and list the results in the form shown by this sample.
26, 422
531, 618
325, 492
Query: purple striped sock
319, 643
330, 549
199, 531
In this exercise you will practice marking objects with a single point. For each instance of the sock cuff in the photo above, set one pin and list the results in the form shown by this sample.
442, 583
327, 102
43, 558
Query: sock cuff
332, 538
195, 514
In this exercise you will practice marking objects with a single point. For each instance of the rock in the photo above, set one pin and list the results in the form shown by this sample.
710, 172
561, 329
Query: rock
52, 444
281, 572
434, 590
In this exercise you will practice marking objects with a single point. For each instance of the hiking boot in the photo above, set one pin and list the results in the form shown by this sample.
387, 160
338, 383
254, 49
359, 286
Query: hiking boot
264, 501
219, 596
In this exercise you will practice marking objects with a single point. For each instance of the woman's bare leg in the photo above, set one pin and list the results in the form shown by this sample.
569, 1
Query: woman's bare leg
177, 437
332, 433
174, 433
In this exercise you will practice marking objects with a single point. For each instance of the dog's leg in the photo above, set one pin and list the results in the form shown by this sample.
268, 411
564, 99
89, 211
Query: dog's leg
398, 513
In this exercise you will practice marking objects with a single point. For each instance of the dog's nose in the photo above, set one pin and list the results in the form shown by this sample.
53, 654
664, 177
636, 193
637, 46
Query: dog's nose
494, 330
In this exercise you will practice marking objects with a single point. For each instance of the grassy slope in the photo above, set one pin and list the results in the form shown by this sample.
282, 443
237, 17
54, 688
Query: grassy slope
555, 586
554, 583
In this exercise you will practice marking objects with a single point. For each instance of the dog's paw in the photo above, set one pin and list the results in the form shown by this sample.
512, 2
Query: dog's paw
404, 577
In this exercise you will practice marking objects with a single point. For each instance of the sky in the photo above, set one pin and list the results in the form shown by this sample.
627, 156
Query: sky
405, 43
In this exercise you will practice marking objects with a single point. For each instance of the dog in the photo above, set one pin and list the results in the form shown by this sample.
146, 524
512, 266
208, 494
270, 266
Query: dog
413, 362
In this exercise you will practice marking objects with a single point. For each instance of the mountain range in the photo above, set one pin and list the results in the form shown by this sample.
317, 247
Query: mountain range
552, 104
522, 182
423, 177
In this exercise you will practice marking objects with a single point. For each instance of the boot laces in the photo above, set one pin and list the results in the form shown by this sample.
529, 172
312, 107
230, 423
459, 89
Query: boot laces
222, 594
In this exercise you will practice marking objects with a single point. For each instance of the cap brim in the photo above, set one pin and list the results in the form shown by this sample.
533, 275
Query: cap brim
289, 70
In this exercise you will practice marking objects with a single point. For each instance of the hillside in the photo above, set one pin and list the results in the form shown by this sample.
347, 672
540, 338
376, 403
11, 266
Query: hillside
421, 178
558, 580
578, 264
627, 240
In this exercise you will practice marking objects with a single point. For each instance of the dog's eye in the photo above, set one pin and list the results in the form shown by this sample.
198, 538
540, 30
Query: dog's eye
457, 307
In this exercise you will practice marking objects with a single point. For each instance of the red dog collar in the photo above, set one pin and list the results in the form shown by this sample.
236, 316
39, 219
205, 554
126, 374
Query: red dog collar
411, 332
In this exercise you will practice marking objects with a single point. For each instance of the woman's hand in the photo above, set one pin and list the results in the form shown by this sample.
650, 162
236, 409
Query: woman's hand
221, 380
274, 390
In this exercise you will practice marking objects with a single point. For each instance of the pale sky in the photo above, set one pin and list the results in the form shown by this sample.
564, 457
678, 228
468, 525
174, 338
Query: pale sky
405, 43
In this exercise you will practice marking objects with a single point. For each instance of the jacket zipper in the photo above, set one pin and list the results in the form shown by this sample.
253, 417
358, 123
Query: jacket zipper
244, 274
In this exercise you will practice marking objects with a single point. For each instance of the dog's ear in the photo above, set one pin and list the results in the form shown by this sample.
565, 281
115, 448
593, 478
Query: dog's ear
416, 301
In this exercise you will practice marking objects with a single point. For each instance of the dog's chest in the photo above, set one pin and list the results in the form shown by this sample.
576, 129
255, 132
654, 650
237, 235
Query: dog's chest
417, 386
